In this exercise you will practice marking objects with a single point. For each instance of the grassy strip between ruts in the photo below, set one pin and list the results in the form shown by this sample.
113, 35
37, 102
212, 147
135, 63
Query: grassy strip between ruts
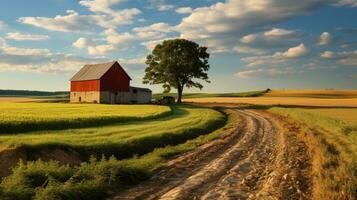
96, 179
333, 145
25, 117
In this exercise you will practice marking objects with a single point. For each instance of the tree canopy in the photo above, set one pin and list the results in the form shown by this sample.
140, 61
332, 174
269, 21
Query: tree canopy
177, 63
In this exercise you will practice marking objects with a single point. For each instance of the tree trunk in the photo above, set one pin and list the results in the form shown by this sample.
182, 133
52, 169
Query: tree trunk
179, 92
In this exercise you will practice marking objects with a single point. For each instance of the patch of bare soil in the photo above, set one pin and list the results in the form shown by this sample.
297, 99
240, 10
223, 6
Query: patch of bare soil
262, 159
10, 157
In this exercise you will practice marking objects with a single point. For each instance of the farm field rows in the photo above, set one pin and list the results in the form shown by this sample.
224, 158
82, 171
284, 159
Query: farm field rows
277, 101
324, 98
20, 117
181, 129
125, 139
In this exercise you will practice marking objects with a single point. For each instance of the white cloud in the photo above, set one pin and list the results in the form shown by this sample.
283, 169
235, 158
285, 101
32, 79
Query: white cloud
39, 60
327, 54
20, 37
278, 57
280, 33
271, 72
2, 24
116, 39
81, 43
101, 49
231, 19
248, 50
75, 22
325, 39
249, 38
26, 51
295, 52
103, 6
153, 31
184, 10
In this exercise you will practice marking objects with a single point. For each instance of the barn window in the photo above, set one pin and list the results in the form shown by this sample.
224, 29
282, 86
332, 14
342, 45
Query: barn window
135, 91
80, 99
116, 93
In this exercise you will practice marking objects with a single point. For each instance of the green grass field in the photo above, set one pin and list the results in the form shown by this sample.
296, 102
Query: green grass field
123, 138
331, 135
184, 129
21, 117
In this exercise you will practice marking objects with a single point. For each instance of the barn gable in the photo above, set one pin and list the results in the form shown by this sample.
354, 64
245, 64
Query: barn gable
95, 71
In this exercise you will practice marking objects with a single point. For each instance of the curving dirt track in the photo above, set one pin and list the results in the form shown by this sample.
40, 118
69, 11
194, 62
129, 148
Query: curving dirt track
262, 158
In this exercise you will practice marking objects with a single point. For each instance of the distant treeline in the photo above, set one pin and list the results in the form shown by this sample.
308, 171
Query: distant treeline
31, 93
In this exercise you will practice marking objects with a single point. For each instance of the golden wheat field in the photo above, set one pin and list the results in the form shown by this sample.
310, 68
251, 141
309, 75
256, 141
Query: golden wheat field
324, 98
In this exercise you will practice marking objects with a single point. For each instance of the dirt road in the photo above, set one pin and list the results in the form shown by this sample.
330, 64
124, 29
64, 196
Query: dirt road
261, 159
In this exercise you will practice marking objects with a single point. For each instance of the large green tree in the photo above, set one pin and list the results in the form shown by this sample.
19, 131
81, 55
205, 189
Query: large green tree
177, 63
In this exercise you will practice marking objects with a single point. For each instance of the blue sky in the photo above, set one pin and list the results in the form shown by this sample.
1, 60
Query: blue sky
254, 44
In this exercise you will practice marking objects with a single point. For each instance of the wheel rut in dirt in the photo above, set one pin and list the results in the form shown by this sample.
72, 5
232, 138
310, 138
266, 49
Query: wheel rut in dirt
261, 159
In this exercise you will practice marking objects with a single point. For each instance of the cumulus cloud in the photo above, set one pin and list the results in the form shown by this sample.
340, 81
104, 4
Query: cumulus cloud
278, 57
103, 6
82, 43
248, 50
75, 22
270, 72
325, 39
115, 38
295, 52
20, 37
184, 10
239, 17
327, 54
280, 33
153, 31
39, 60
226, 21
248, 38
101, 49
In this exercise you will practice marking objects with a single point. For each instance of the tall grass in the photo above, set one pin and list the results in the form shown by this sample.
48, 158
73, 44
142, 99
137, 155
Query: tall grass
24, 117
97, 178
333, 146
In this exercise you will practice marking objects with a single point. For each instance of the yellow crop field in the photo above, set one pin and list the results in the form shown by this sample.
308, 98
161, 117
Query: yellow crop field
19, 117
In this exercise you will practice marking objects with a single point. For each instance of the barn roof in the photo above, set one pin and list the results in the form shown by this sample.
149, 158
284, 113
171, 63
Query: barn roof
94, 71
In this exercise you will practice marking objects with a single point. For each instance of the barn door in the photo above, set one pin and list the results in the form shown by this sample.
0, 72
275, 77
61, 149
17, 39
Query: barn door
112, 98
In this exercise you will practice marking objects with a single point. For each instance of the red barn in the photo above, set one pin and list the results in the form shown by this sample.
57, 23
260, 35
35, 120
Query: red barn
106, 83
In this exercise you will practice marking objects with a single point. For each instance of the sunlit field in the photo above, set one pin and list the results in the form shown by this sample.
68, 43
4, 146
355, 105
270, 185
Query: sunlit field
331, 135
139, 146
127, 138
323, 98
21, 117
